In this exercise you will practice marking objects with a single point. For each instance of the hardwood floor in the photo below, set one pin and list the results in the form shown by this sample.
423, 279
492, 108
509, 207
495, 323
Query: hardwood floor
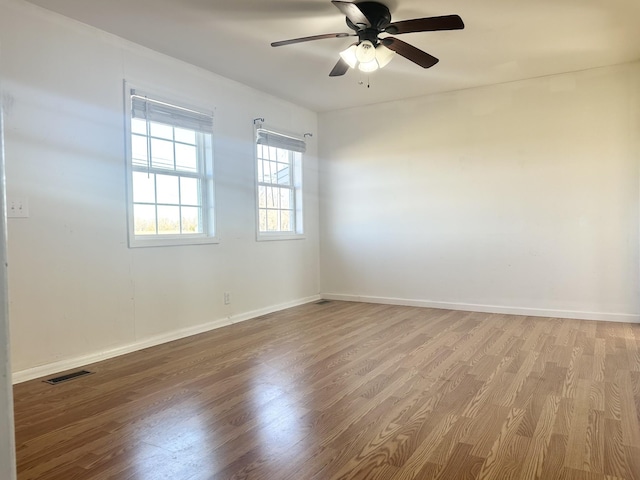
350, 391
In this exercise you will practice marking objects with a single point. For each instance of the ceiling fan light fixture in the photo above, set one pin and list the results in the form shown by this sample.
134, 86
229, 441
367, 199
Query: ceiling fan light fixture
368, 67
349, 56
367, 57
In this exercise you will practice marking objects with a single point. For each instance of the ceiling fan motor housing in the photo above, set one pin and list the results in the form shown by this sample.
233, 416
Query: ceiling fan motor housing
379, 17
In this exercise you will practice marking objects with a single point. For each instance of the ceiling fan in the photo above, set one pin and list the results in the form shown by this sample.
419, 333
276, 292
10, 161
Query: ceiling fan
370, 52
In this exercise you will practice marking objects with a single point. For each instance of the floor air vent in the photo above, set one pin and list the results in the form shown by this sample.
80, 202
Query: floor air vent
68, 376
322, 302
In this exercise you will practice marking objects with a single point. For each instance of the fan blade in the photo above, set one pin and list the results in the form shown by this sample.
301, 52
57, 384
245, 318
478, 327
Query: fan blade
340, 69
352, 12
410, 52
430, 24
308, 39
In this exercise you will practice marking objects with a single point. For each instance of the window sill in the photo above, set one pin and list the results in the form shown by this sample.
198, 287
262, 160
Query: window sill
266, 237
145, 242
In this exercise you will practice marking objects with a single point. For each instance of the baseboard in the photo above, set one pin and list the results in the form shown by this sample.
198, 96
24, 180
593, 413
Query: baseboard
68, 364
469, 307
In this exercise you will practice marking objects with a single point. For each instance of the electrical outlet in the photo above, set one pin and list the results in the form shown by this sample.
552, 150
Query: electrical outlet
227, 298
17, 207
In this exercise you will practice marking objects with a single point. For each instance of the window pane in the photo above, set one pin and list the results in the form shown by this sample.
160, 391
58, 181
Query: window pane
263, 220
191, 220
272, 197
260, 152
139, 150
144, 219
275, 173
161, 130
168, 220
272, 220
162, 154
285, 220
285, 197
264, 168
167, 189
185, 136
139, 126
283, 155
189, 191
144, 190
283, 176
186, 158
266, 172
262, 197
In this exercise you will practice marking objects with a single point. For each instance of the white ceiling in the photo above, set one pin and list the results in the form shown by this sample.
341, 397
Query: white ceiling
504, 40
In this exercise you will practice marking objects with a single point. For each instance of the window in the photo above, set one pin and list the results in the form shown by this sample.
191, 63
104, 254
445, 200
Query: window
279, 168
170, 173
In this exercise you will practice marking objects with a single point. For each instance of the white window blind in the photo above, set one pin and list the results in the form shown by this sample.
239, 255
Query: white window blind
155, 111
277, 140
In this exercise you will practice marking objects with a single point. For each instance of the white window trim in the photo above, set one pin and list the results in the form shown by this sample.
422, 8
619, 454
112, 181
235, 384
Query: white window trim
299, 209
145, 241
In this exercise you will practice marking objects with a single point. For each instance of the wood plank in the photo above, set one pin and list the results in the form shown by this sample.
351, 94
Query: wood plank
534, 458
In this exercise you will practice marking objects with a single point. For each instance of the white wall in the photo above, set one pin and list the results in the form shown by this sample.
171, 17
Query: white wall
76, 290
520, 198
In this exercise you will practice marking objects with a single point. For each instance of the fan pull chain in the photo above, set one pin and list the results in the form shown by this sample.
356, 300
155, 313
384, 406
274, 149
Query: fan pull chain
360, 82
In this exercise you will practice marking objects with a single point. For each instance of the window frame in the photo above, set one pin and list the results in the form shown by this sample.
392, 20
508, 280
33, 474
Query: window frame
297, 188
205, 159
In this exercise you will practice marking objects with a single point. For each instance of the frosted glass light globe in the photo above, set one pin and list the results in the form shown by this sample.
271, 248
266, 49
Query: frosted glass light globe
365, 52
